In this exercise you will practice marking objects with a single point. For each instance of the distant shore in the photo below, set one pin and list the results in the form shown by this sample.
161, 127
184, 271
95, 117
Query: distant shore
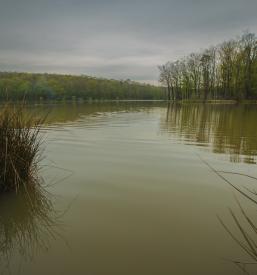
82, 101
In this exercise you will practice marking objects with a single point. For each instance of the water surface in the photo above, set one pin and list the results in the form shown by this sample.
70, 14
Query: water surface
134, 191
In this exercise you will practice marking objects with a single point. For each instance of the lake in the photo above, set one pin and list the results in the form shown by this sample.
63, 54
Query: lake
133, 190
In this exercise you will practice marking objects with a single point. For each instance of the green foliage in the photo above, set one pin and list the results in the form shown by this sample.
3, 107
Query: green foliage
227, 71
16, 86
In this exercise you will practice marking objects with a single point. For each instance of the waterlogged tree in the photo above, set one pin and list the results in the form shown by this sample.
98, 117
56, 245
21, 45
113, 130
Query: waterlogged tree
166, 79
206, 64
186, 83
176, 79
213, 71
194, 70
249, 52
227, 53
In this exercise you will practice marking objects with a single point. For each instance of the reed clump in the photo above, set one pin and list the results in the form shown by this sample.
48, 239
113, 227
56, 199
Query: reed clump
19, 148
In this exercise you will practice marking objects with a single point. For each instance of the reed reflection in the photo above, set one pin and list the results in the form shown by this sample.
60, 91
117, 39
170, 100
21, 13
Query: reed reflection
28, 224
225, 128
242, 226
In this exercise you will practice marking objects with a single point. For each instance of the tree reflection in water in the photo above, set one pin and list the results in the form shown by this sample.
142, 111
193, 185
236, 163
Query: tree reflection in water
225, 128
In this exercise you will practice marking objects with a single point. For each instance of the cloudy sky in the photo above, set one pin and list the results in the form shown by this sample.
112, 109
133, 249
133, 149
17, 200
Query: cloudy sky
114, 38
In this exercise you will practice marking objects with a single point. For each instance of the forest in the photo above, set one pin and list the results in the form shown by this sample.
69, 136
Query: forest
225, 71
17, 86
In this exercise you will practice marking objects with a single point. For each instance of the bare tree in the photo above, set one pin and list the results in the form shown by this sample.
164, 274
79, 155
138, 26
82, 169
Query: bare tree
249, 50
227, 71
166, 79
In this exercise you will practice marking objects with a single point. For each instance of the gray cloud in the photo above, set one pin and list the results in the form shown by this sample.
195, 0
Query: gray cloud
117, 39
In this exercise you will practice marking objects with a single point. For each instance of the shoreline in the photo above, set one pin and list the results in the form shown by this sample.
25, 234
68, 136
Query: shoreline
81, 101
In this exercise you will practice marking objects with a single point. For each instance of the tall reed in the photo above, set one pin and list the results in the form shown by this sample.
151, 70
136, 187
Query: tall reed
19, 148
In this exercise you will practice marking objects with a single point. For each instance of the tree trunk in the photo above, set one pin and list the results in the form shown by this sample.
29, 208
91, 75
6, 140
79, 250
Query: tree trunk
169, 93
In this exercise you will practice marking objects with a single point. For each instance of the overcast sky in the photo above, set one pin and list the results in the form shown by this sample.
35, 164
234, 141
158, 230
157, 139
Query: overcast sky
114, 38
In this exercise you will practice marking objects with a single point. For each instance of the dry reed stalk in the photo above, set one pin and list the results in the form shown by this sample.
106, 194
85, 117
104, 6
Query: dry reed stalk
19, 148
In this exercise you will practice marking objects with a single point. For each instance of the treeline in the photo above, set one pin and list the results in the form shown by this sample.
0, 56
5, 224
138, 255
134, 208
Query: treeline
226, 71
17, 86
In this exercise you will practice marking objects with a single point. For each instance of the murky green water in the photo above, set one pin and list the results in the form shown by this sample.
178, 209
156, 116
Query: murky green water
131, 192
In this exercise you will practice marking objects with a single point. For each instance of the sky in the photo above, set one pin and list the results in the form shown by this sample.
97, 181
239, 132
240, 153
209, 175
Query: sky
114, 38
